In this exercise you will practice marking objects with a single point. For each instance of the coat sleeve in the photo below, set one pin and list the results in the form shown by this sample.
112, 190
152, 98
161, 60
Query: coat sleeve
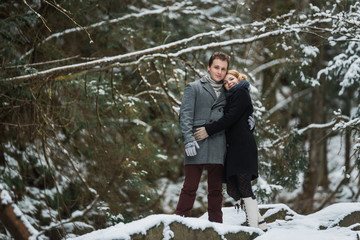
186, 117
237, 106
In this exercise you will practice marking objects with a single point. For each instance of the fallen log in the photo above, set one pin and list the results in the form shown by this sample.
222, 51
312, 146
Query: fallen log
13, 219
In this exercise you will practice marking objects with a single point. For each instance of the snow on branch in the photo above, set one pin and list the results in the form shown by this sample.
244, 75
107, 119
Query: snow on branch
317, 126
163, 93
38, 14
353, 123
271, 64
146, 12
108, 60
44, 63
339, 122
146, 52
287, 101
153, 52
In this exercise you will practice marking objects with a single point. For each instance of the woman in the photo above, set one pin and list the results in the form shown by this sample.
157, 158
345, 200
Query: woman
241, 163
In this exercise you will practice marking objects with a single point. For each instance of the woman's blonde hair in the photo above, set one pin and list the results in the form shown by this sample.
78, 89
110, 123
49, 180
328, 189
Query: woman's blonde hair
239, 76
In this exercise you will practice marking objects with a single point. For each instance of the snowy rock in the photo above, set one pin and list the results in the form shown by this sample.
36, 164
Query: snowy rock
347, 220
173, 227
274, 212
155, 232
355, 227
351, 219
338, 221
181, 231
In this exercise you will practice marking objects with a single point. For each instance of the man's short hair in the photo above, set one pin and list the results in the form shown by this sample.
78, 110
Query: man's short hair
220, 55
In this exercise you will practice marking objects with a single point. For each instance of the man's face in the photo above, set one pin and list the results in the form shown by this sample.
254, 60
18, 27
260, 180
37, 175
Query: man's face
218, 69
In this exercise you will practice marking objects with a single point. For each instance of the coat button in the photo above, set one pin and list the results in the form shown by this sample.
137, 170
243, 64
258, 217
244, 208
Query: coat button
227, 145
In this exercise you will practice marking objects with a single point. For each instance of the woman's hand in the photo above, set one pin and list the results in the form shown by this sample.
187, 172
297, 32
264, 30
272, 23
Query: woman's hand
200, 134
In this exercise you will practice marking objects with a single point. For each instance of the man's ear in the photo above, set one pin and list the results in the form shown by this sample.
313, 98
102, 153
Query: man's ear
208, 68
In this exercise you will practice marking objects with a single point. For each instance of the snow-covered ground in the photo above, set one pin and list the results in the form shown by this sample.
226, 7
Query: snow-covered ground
322, 225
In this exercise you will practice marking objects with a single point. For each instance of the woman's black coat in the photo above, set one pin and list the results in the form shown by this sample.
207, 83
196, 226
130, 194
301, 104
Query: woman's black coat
242, 153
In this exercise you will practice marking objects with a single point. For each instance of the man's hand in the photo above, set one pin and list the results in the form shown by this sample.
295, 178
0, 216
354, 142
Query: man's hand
190, 148
200, 134
251, 122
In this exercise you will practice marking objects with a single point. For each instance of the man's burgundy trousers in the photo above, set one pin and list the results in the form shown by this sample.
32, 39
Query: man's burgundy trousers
188, 192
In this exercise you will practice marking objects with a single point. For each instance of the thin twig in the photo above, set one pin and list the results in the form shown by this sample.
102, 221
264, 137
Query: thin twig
63, 11
331, 196
43, 63
41, 17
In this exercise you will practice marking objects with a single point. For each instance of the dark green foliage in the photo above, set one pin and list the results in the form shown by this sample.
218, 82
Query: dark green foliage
285, 168
113, 127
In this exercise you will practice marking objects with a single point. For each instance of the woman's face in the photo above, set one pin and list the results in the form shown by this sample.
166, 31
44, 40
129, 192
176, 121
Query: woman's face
230, 81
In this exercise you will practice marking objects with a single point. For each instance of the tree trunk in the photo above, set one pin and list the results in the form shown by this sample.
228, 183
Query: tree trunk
2, 156
13, 222
347, 110
324, 173
317, 159
347, 149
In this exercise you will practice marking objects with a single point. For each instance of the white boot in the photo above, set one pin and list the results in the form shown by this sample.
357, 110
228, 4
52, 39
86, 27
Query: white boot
262, 223
252, 211
253, 216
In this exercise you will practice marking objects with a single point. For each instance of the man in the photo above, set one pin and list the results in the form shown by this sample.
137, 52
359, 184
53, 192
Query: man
203, 102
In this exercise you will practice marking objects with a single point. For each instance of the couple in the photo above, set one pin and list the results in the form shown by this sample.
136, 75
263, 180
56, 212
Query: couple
208, 109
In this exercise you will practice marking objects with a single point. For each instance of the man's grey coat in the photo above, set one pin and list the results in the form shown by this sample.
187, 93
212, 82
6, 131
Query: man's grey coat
200, 106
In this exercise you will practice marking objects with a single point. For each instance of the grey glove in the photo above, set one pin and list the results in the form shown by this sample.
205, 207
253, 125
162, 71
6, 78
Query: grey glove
190, 148
251, 122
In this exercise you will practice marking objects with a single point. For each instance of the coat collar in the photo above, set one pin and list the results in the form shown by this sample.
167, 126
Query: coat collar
207, 86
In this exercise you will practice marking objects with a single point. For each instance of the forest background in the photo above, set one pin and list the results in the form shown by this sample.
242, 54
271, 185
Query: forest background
90, 93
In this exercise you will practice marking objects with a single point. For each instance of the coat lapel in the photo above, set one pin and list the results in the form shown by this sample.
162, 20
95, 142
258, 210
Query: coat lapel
221, 97
206, 85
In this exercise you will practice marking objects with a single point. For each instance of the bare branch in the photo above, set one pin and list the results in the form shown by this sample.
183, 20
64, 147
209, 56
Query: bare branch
271, 64
173, 8
317, 126
333, 193
38, 14
146, 53
302, 131
43, 63
287, 101
286, 29
73, 217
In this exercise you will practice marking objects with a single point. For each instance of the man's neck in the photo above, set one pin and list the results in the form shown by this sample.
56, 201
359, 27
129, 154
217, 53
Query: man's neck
212, 81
